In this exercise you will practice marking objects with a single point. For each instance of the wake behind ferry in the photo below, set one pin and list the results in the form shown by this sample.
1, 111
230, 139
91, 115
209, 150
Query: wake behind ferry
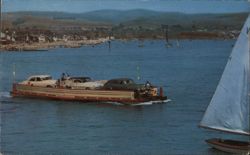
121, 90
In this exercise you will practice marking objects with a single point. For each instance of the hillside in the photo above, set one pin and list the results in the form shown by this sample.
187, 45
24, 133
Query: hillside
129, 17
126, 24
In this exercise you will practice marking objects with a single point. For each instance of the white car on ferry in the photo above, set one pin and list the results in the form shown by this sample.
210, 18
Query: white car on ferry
40, 80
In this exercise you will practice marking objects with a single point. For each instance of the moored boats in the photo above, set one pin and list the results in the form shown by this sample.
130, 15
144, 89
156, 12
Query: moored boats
122, 90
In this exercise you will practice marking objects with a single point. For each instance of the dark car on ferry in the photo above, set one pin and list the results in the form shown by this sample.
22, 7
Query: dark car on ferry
123, 84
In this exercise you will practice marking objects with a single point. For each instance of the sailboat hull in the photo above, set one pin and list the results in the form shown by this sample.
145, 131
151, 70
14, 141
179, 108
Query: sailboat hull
230, 146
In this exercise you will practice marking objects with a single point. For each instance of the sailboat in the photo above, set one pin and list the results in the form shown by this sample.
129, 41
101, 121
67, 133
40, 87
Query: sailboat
177, 43
228, 110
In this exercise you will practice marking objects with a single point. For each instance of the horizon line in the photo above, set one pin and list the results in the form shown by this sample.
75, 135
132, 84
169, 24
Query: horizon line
121, 10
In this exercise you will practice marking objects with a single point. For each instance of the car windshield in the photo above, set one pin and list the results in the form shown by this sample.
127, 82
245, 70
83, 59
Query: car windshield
127, 81
78, 81
47, 78
32, 79
81, 79
86, 79
130, 82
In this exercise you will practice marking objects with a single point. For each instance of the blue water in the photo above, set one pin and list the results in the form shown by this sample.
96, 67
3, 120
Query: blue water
189, 75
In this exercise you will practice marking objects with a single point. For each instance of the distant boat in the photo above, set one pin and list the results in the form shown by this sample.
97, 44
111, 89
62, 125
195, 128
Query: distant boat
141, 43
177, 43
228, 110
165, 29
168, 45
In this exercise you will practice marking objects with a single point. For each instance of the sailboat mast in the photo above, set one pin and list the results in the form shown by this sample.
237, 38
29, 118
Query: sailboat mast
248, 78
1, 3
166, 33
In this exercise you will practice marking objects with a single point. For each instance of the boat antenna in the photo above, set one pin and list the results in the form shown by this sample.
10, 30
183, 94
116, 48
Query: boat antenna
14, 72
138, 73
109, 40
1, 4
67, 74
166, 34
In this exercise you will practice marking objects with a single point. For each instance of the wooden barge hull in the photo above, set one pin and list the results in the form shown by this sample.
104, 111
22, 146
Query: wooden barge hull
125, 97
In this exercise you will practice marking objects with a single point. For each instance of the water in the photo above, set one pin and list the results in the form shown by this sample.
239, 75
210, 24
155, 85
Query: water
189, 75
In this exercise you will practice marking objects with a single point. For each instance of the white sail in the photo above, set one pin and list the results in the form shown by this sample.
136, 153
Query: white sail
229, 107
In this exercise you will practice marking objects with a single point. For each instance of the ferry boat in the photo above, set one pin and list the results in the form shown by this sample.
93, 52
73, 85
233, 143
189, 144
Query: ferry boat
122, 90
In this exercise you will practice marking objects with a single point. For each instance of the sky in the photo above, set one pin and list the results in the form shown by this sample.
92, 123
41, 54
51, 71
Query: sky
78, 6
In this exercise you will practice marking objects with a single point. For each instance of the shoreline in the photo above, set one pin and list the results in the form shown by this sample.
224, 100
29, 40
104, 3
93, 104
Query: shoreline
45, 46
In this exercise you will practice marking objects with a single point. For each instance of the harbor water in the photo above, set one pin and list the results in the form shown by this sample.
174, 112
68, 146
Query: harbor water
188, 73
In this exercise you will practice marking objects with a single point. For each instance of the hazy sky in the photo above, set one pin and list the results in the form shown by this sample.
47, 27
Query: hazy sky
187, 6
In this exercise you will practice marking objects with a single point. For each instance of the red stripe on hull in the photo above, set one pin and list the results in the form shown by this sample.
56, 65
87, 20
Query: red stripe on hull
84, 99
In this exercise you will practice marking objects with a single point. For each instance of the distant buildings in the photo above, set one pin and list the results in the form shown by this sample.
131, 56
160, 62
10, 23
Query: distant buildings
77, 33
7, 37
42, 38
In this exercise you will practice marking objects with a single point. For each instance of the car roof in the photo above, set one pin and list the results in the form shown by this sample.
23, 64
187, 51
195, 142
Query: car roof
120, 79
41, 76
79, 78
